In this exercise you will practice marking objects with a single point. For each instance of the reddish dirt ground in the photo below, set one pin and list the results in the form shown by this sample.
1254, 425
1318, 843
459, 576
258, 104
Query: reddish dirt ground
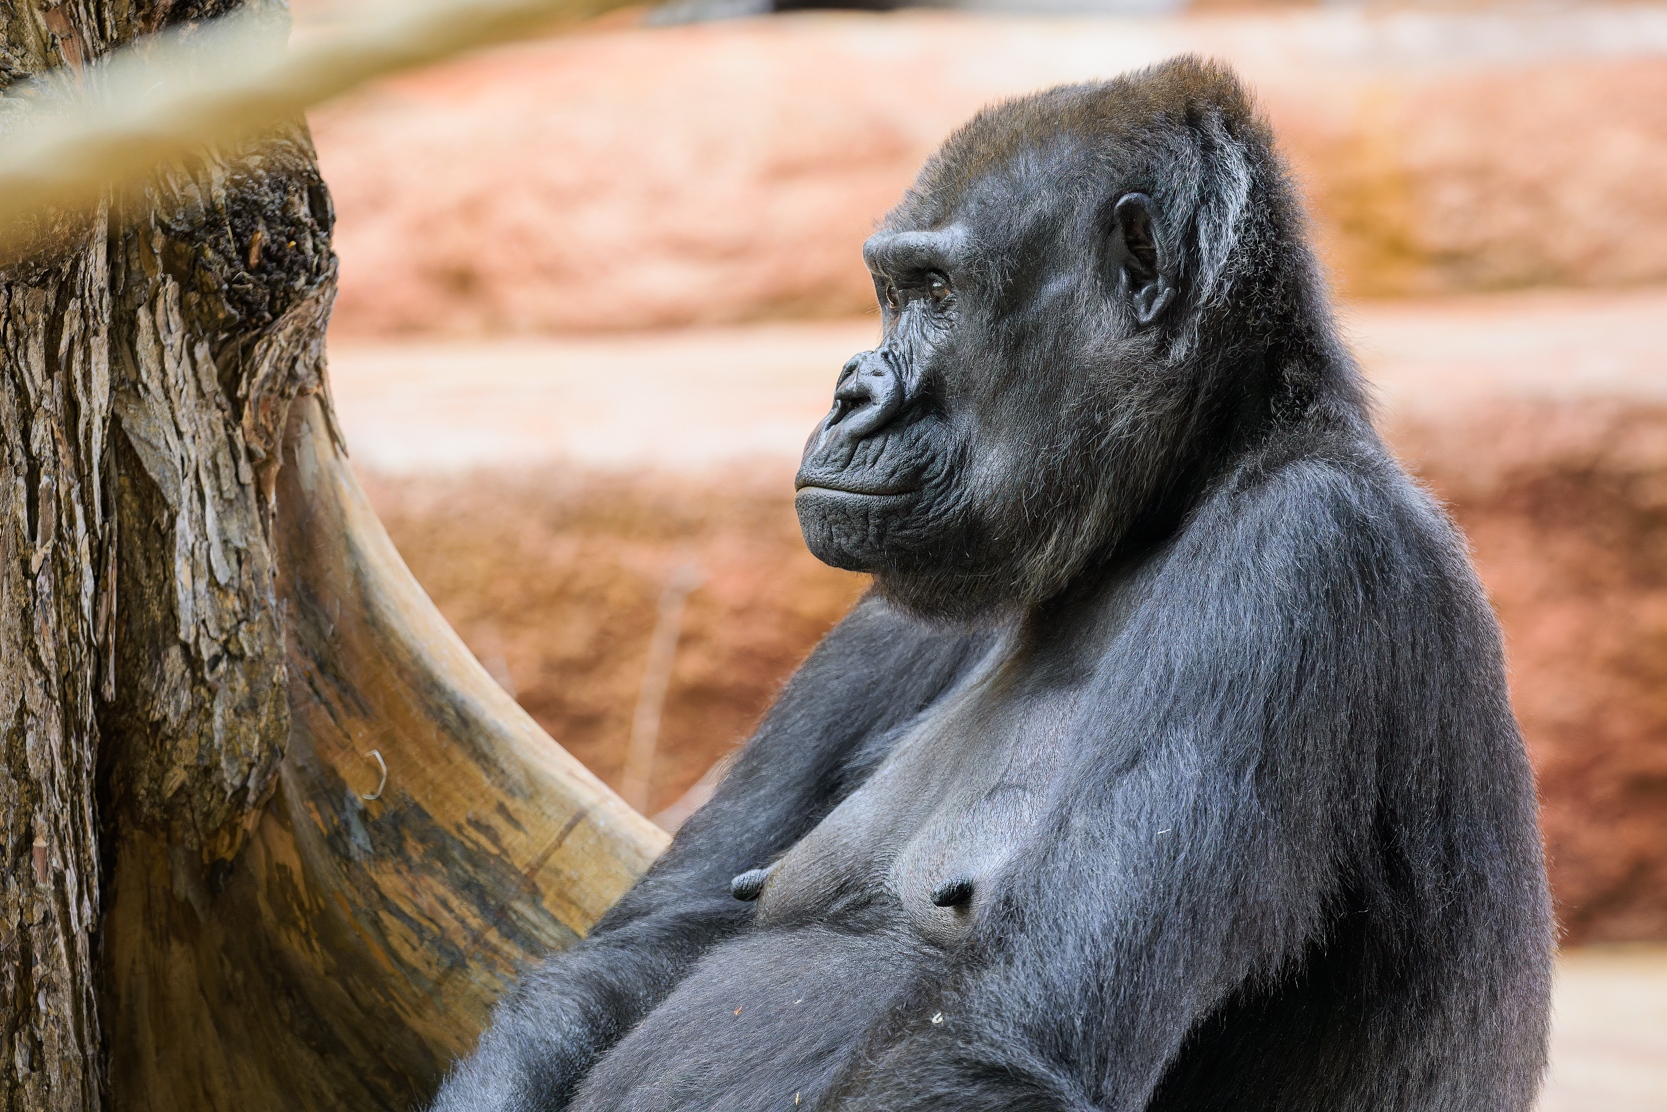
553, 579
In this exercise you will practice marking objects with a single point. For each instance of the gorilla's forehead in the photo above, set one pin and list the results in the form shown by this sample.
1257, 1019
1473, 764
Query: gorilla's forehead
1017, 153
1021, 203
1058, 144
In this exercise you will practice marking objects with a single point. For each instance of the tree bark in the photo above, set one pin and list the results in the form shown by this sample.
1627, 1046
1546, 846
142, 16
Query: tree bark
272, 839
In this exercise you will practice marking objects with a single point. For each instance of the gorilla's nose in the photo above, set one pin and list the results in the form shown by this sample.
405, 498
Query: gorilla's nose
869, 395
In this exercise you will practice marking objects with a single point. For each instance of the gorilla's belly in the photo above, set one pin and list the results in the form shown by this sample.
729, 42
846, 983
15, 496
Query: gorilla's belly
768, 1021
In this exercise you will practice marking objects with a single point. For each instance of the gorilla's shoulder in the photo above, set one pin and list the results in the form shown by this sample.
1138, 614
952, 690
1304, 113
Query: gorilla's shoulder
1337, 503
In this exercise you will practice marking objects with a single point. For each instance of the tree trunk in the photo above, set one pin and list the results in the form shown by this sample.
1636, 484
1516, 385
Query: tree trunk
272, 839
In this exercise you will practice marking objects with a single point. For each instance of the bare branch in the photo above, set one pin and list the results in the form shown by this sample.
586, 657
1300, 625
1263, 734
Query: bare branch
171, 93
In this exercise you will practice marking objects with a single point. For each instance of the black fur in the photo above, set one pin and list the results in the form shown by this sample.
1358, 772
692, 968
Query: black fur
1169, 766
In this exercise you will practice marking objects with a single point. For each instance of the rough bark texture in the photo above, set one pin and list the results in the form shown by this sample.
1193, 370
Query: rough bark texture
223, 285
212, 896
54, 532
54, 537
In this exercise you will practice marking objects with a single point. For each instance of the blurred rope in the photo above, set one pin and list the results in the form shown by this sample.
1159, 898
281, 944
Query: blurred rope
68, 135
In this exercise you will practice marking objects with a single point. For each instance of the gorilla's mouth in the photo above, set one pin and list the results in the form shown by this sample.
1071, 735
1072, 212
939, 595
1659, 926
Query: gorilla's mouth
811, 486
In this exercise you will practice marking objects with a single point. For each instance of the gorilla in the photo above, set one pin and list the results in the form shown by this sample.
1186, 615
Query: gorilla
1168, 764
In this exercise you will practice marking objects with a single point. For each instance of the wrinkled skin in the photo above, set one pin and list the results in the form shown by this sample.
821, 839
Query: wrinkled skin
1169, 764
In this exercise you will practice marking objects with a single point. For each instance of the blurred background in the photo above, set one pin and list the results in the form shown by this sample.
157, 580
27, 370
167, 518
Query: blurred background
595, 290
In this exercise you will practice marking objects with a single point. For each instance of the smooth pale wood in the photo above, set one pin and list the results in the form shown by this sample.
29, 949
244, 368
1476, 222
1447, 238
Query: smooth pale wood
354, 947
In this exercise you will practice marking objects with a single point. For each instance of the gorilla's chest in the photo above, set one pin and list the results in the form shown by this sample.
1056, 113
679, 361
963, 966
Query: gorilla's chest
930, 835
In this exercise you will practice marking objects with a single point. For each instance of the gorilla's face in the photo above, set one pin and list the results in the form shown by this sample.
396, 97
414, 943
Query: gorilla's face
1006, 432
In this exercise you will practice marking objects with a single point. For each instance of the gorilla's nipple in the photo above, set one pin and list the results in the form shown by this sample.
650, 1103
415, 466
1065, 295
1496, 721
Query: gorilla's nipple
954, 892
749, 884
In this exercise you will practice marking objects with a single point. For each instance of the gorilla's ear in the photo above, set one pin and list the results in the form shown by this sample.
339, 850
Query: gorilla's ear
1142, 277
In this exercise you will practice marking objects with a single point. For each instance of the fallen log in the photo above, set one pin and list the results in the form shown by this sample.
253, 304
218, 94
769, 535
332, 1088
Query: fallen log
425, 840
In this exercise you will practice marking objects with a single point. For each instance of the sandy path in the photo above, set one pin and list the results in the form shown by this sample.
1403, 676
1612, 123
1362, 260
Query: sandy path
1609, 1040
671, 400
710, 396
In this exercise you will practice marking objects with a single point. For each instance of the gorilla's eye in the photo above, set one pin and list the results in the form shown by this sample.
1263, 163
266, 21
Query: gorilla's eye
893, 301
939, 287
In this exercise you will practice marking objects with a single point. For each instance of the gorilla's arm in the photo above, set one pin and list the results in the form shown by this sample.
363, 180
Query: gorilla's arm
1313, 669
876, 670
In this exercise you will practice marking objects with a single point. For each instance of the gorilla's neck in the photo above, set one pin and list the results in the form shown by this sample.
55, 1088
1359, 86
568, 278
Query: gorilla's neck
1072, 630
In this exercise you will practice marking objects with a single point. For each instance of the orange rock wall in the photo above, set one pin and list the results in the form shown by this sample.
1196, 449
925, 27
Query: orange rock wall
1566, 507
1540, 176
644, 178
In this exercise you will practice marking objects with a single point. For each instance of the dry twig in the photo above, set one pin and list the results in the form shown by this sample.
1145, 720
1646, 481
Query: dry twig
164, 96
